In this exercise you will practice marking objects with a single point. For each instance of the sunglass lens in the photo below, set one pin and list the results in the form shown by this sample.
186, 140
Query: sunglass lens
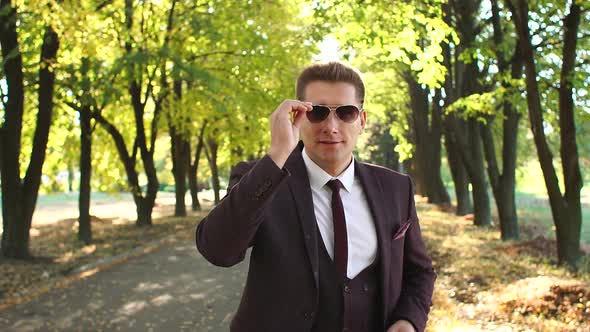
347, 113
318, 113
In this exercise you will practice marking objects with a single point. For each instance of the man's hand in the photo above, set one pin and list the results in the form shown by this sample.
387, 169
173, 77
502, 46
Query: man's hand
284, 134
401, 326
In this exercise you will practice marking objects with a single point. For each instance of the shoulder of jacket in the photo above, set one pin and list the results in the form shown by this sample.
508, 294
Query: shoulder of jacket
384, 171
243, 166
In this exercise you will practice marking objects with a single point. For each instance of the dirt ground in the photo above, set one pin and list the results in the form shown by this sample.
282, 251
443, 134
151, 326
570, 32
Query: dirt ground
152, 278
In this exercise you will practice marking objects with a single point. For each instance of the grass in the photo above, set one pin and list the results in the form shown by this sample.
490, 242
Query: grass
532, 201
47, 200
533, 210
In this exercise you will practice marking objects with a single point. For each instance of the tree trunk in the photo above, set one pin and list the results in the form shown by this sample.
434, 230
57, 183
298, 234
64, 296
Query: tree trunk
458, 173
569, 246
566, 209
179, 159
455, 162
476, 170
472, 158
135, 84
15, 236
211, 153
144, 211
127, 160
135, 90
427, 142
147, 157
193, 185
70, 176
386, 148
19, 197
179, 170
436, 185
465, 82
503, 184
84, 226
507, 211
147, 154
193, 169
418, 177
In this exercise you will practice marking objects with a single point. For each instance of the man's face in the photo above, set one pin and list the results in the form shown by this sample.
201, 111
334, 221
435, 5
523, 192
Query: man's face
330, 143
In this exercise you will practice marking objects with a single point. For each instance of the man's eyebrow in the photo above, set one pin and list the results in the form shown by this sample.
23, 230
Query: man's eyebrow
335, 104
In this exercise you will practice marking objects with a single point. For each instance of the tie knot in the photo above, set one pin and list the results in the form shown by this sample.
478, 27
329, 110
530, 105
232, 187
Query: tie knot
335, 185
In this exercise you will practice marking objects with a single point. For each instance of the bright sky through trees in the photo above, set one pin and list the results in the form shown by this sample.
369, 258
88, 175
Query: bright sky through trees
329, 50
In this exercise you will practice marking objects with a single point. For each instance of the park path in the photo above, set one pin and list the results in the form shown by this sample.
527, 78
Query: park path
170, 289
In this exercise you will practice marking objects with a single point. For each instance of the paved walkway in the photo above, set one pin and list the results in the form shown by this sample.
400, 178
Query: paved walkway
170, 289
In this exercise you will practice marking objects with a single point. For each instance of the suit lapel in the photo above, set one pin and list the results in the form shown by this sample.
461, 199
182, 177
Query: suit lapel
301, 191
374, 193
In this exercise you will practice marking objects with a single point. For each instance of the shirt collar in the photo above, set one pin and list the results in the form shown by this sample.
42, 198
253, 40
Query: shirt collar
318, 177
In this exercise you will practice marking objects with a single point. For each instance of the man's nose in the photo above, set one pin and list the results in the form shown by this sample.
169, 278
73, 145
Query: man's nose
330, 124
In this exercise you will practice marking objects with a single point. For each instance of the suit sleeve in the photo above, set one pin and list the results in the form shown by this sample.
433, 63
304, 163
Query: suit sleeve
225, 234
418, 275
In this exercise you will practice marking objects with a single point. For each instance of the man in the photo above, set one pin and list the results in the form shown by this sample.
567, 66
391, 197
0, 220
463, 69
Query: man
336, 244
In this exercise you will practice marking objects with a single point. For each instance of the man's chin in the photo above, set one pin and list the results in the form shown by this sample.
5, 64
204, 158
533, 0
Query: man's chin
333, 158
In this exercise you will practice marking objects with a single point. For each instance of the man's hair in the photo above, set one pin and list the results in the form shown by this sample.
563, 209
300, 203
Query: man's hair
331, 72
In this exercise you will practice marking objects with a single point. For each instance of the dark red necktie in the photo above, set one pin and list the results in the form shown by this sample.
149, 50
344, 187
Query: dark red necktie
340, 237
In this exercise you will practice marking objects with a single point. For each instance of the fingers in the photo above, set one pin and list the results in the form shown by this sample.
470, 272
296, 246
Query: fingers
288, 107
303, 106
296, 106
299, 113
298, 118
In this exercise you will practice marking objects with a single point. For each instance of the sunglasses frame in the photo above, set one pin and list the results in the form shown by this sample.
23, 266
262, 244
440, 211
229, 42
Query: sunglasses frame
334, 108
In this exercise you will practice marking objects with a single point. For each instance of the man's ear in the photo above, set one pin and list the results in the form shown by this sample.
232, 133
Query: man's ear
363, 120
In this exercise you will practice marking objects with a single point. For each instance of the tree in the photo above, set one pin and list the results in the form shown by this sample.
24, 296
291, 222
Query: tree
381, 145
405, 37
78, 92
248, 64
141, 59
19, 195
194, 167
463, 81
503, 183
566, 207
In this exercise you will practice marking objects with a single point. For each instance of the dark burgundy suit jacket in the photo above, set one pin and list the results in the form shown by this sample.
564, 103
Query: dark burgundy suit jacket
271, 210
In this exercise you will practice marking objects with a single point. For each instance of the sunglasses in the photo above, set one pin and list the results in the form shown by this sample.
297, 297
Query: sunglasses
346, 113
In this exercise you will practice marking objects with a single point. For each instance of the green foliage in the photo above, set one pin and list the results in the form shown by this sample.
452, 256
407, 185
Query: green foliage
386, 41
236, 62
408, 33
484, 106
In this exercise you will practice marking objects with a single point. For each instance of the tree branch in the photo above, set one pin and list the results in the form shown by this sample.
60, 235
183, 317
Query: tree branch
135, 149
103, 4
204, 55
200, 143
128, 163
154, 127
72, 105
150, 86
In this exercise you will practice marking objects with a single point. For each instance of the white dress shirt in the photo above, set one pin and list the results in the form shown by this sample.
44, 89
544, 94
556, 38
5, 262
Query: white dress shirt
360, 229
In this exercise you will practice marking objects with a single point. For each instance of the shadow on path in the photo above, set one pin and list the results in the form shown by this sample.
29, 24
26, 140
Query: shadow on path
171, 289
